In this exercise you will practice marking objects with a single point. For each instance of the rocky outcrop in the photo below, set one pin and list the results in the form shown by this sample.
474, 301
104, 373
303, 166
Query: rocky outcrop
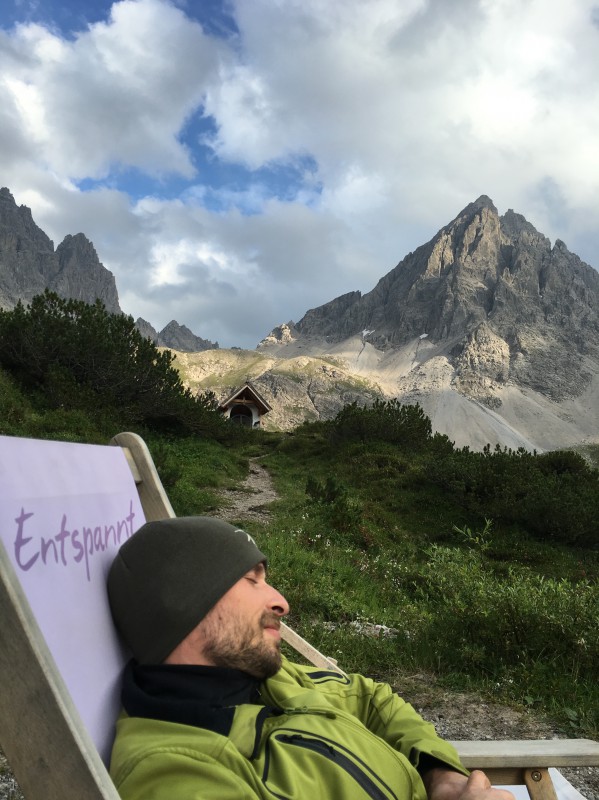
309, 391
482, 365
492, 292
179, 337
29, 264
147, 330
282, 334
175, 336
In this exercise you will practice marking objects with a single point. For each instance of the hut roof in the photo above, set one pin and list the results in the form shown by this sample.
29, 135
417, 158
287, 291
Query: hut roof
247, 395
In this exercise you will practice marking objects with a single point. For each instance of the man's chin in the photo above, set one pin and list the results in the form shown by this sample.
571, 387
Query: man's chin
268, 666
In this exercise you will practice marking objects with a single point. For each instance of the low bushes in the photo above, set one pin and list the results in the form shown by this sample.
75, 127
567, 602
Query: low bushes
497, 624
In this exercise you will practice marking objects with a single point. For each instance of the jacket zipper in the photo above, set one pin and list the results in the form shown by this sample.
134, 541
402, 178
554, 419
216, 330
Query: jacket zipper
333, 751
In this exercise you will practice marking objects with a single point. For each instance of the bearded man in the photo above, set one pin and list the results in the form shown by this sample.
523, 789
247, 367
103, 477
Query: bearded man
211, 709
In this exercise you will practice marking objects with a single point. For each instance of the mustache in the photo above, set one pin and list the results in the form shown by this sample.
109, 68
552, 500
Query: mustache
270, 620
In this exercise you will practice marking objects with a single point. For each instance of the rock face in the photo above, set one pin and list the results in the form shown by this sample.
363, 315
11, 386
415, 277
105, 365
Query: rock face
179, 337
29, 264
146, 329
491, 290
175, 336
282, 334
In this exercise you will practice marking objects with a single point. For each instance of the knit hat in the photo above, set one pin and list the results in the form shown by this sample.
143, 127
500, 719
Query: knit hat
167, 577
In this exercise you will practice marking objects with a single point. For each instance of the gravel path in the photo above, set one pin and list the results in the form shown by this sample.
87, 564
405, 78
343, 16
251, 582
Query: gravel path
456, 715
251, 499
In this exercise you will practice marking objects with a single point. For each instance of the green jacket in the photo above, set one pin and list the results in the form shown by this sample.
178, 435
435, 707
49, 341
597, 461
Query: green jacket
318, 735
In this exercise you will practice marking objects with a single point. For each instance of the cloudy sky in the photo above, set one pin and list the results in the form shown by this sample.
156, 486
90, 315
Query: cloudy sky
237, 163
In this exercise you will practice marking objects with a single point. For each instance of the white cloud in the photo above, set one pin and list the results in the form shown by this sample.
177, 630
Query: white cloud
118, 94
419, 91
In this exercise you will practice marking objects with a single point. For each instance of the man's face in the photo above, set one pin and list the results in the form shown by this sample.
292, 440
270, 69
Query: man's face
242, 631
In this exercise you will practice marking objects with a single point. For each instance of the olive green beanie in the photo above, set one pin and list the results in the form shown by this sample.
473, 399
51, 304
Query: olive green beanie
167, 577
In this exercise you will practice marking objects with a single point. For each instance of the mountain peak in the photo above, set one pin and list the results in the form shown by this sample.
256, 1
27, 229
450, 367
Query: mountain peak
179, 337
475, 210
29, 265
484, 201
80, 274
538, 306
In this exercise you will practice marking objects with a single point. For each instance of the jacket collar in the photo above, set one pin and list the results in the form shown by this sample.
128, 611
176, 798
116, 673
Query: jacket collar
205, 697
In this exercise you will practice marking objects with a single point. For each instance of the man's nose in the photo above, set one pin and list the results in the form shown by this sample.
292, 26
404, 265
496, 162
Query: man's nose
277, 602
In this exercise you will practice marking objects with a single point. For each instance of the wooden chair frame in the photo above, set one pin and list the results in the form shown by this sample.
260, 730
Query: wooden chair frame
53, 756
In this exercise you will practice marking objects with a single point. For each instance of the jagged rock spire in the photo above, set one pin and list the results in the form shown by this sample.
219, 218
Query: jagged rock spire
29, 264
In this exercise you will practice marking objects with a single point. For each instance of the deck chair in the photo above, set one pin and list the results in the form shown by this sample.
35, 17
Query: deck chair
64, 510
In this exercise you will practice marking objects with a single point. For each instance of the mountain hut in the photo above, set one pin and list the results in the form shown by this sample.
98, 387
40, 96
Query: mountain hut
245, 407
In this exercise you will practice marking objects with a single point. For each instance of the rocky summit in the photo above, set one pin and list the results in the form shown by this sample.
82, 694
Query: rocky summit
493, 330
29, 264
175, 337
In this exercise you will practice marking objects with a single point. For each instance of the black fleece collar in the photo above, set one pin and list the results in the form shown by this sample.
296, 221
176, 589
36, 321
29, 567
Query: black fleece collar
191, 695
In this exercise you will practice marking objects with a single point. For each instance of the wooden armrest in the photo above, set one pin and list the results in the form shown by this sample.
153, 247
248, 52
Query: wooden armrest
528, 753
526, 762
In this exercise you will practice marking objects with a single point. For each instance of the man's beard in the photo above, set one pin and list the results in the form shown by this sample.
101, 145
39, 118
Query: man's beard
229, 643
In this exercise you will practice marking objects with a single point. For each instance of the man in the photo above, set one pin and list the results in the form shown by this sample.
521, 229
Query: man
213, 712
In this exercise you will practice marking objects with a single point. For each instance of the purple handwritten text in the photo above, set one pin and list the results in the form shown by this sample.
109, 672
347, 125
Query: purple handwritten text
78, 544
